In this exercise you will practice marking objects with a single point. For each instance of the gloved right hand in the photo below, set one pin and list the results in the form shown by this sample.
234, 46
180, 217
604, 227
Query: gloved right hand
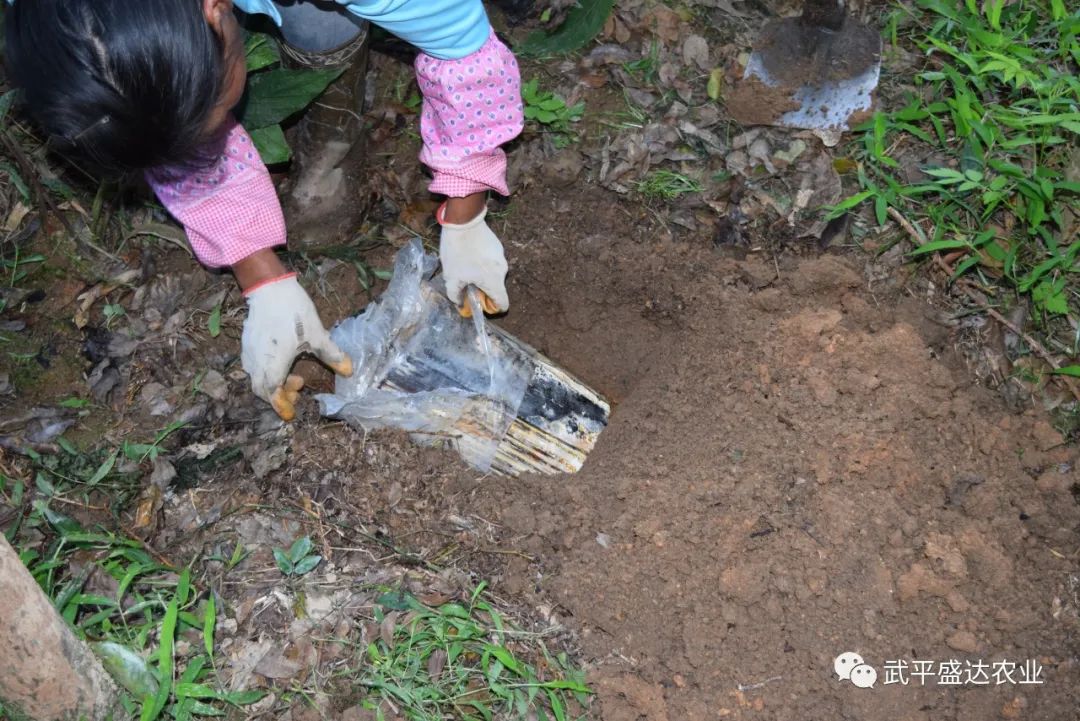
281, 324
471, 254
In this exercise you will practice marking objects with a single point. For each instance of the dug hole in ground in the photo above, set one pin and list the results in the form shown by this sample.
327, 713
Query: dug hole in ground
795, 468
798, 465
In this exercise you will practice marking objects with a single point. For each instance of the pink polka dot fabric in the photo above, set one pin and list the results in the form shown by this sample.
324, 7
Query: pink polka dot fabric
229, 210
471, 107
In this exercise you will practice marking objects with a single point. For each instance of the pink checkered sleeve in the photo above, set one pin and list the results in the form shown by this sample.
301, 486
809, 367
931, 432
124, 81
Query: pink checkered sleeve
471, 107
229, 210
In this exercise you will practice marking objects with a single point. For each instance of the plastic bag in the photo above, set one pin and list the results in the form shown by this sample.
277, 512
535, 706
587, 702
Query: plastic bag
422, 368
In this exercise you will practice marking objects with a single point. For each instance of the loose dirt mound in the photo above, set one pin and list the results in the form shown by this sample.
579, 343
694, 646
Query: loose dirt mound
791, 472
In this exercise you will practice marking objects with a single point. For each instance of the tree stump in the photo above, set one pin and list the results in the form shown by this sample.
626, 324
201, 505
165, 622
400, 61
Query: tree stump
46, 672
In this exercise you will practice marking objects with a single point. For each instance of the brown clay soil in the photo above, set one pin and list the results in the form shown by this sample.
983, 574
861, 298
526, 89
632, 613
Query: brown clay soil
794, 468
752, 102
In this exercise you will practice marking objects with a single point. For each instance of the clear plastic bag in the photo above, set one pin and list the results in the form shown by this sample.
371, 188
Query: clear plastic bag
422, 368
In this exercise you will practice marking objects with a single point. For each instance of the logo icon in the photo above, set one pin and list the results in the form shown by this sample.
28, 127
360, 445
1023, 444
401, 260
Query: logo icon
849, 666
844, 663
864, 676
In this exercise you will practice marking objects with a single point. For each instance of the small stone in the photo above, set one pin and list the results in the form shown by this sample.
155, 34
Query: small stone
824, 392
696, 52
963, 641
956, 602
213, 384
152, 397
1045, 436
1012, 708
1054, 481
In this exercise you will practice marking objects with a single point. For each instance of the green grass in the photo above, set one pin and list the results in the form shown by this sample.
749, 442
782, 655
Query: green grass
996, 104
129, 605
667, 185
647, 66
463, 662
453, 660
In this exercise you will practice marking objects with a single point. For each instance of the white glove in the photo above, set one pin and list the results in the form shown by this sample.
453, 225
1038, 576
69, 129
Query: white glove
472, 255
281, 324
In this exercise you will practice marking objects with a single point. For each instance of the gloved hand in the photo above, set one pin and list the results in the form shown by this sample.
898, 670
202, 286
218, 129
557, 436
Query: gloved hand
472, 255
281, 324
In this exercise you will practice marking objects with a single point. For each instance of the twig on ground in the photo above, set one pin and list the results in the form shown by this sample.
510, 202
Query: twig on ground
759, 684
919, 239
15, 444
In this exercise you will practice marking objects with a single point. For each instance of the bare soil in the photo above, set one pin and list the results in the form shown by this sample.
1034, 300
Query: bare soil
794, 468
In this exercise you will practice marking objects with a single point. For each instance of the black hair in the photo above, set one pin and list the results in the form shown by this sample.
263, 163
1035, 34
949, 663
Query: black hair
128, 84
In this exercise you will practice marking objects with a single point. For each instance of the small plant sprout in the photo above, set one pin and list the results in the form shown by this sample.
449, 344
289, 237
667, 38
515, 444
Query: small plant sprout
548, 109
298, 560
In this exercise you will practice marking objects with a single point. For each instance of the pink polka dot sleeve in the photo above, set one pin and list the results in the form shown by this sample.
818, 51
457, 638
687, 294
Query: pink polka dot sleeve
471, 106
229, 210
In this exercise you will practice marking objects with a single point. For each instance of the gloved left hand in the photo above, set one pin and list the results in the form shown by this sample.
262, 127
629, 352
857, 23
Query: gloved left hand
471, 254
281, 324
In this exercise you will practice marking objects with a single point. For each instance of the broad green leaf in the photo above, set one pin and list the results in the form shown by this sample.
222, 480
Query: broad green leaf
848, 203
300, 548
244, 698
273, 148
399, 602
581, 25
189, 620
881, 209
965, 265
1051, 298
552, 103
203, 709
260, 51
283, 563
165, 664
183, 587
209, 622
275, 95
194, 668
213, 323
946, 174
44, 485
1073, 370
715, 84
104, 469
936, 245
306, 565
556, 706
197, 690
64, 525
128, 668
505, 657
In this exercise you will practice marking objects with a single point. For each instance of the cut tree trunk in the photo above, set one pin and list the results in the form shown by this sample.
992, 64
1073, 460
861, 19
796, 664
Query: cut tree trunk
46, 673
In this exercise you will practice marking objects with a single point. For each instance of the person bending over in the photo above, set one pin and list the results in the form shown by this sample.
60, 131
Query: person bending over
149, 86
